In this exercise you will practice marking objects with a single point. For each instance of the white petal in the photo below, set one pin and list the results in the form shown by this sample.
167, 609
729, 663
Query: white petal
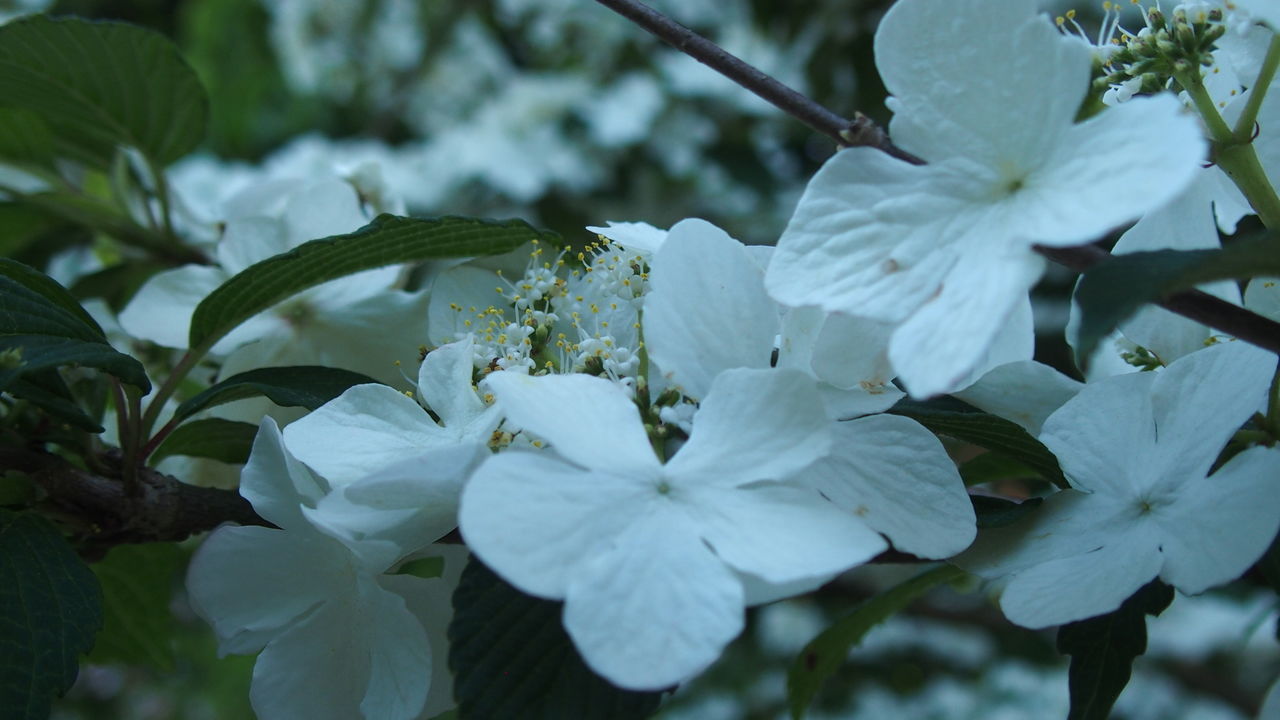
369, 334
312, 671
853, 352
948, 339
781, 534
655, 609
754, 425
1082, 586
444, 384
251, 582
1085, 187
640, 237
896, 477
161, 310
588, 420
1105, 436
1218, 526
1201, 400
400, 658
275, 483
706, 310
363, 429
324, 208
1008, 86
868, 236
1263, 297
1026, 393
534, 518
250, 240
459, 295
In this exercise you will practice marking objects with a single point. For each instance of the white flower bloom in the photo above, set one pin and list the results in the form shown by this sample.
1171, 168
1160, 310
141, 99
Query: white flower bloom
341, 639
945, 249
648, 556
350, 322
708, 311
373, 426
1137, 450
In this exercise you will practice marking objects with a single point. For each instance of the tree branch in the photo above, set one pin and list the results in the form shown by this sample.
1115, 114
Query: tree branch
103, 514
861, 131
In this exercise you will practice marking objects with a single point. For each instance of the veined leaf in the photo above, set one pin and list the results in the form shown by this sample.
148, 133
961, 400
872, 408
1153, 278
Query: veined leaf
227, 441
388, 240
307, 386
511, 658
1116, 288
948, 416
42, 326
25, 137
100, 85
137, 584
50, 610
827, 652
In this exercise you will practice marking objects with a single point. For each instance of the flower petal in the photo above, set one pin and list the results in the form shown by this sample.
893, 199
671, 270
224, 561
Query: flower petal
444, 384
534, 518
754, 425
275, 483
1025, 392
706, 310
161, 309
656, 608
588, 420
361, 430
1105, 436
896, 477
1218, 526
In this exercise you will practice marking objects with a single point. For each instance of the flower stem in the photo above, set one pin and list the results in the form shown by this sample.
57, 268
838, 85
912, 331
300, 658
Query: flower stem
1236, 158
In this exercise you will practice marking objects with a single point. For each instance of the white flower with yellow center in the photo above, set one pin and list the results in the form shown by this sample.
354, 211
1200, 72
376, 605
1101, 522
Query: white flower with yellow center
945, 250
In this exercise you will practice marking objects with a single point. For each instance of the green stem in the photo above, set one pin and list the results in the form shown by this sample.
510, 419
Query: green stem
1257, 92
165, 391
134, 443
1237, 159
162, 195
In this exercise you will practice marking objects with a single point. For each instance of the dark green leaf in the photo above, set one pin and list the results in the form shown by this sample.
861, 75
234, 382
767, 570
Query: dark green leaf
1114, 289
42, 325
827, 652
388, 240
102, 85
137, 585
117, 284
24, 137
1269, 566
994, 467
307, 386
50, 610
948, 416
512, 659
21, 225
1102, 650
46, 389
994, 512
227, 441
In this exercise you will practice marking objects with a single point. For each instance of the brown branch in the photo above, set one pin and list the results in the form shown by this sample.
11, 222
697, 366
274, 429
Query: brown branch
861, 131
102, 514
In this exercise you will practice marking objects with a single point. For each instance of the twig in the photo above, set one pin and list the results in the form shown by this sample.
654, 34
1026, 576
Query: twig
861, 131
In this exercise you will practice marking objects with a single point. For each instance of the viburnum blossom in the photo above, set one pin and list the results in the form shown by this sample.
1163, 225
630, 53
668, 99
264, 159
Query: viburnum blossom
945, 250
1137, 450
653, 559
339, 638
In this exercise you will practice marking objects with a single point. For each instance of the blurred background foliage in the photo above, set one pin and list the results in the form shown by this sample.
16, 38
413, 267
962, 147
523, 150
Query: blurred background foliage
562, 113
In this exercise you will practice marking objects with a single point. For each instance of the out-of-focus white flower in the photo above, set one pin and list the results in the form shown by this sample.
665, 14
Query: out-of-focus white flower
944, 250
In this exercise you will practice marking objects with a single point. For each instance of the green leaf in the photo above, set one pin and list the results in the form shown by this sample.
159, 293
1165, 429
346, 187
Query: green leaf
46, 389
50, 610
101, 85
24, 137
827, 652
948, 416
1269, 567
994, 512
994, 467
42, 326
511, 658
1102, 650
117, 284
307, 386
388, 240
137, 586
227, 441
1114, 289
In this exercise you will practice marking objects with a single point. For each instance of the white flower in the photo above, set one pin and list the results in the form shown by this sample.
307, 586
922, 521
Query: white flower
373, 426
651, 558
357, 322
988, 99
1137, 450
342, 640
